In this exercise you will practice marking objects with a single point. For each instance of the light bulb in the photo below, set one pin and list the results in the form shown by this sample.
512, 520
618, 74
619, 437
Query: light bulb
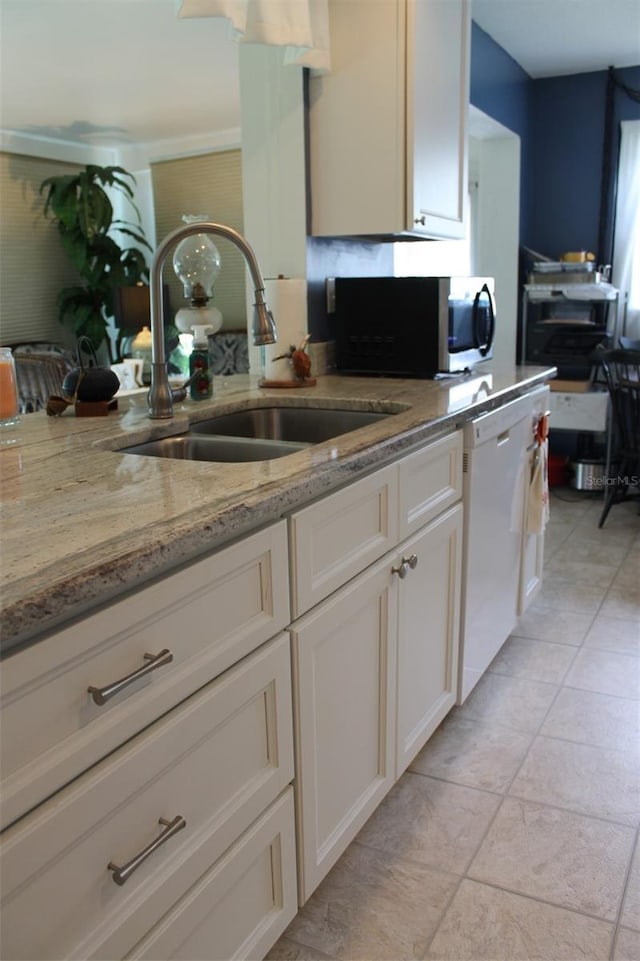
196, 261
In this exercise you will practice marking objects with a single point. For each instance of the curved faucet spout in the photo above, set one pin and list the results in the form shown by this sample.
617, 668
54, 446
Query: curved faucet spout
161, 397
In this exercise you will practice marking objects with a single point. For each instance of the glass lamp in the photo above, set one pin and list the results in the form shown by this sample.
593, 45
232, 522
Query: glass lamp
196, 261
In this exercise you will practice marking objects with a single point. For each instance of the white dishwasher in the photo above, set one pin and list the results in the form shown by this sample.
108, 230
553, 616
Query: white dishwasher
495, 482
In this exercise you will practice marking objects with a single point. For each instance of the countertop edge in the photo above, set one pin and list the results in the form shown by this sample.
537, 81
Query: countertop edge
92, 586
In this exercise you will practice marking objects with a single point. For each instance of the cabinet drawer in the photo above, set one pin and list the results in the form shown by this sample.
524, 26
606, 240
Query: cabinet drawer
430, 481
218, 760
334, 539
241, 907
208, 615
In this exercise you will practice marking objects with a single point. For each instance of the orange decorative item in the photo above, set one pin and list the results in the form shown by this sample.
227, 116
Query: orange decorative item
8, 389
301, 364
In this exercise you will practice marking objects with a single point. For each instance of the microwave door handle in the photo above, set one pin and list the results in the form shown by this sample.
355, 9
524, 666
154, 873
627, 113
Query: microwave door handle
486, 347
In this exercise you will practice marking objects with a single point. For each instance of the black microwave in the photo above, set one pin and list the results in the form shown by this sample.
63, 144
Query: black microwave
413, 326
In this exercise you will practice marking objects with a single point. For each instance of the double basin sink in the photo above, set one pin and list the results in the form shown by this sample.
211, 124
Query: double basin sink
255, 434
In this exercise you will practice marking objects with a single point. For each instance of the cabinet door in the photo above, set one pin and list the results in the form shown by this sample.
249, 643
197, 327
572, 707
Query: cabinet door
405, 64
530, 570
344, 710
357, 122
531, 553
428, 631
438, 54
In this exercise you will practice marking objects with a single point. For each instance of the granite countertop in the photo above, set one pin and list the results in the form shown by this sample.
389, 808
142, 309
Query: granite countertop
82, 523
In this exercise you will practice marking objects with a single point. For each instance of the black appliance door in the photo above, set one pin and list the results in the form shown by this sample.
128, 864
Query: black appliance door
484, 321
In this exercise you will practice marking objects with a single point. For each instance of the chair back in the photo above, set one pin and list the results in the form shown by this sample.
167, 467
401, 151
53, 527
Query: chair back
622, 375
40, 371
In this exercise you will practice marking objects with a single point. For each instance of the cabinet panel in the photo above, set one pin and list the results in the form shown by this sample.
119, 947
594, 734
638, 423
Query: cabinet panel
344, 683
437, 107
430, 481
208, 615
337, 537
350, 157
218, 760
407, 172
240, 907
532, 546
428, 633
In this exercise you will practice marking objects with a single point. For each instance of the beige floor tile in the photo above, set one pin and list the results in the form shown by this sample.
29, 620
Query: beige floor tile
620, 602
605, 672
561, 594
373, 905
598, 719
630, 916
614, 634
578, 777
513, 702
555, 536
607, 546
431, 821
558, 856
486, 924
580, 572
476, 755
628, 576
547, 624
287, 950
533, 659
627, 945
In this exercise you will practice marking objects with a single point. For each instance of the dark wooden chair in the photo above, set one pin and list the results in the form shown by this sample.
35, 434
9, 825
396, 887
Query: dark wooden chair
621, 370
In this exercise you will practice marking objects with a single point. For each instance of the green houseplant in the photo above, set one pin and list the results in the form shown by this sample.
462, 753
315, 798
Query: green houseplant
84, 215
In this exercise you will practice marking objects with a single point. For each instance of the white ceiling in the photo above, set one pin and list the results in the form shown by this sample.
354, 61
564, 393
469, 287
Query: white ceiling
116, 72
550, 38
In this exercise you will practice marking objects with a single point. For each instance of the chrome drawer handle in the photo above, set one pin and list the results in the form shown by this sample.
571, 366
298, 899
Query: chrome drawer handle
120, 875
102, 694
403, 567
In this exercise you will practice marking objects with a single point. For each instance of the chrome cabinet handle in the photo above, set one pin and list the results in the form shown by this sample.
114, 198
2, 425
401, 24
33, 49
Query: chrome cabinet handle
420, 220
405, 564
102, 694
120, 875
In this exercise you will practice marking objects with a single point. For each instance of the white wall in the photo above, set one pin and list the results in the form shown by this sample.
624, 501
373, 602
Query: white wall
495, 162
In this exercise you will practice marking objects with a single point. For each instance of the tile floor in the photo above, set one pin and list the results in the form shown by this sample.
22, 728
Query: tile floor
514, 833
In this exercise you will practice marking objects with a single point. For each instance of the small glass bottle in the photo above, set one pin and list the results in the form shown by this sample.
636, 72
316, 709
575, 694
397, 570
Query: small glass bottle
8, 389
202, 386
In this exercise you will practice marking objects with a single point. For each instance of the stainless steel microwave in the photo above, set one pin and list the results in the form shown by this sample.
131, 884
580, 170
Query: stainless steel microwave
413, 326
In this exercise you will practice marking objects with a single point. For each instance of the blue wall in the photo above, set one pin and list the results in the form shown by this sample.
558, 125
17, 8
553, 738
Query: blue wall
568, 124
560, 121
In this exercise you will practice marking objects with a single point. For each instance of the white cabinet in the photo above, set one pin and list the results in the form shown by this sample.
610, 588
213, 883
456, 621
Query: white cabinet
375, 662
428, 632
207, 616
344, 683
210, 768
388, 124
189, 764
531, 549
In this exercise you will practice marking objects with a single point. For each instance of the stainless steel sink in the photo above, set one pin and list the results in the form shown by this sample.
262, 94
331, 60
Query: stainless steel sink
255, 434
310, 425
216, 449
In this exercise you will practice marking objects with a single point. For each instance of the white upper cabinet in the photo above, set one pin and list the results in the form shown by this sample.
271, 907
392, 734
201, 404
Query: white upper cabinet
388, 124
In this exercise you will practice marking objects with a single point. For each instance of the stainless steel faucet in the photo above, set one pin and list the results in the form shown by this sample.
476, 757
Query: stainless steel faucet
161, 396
